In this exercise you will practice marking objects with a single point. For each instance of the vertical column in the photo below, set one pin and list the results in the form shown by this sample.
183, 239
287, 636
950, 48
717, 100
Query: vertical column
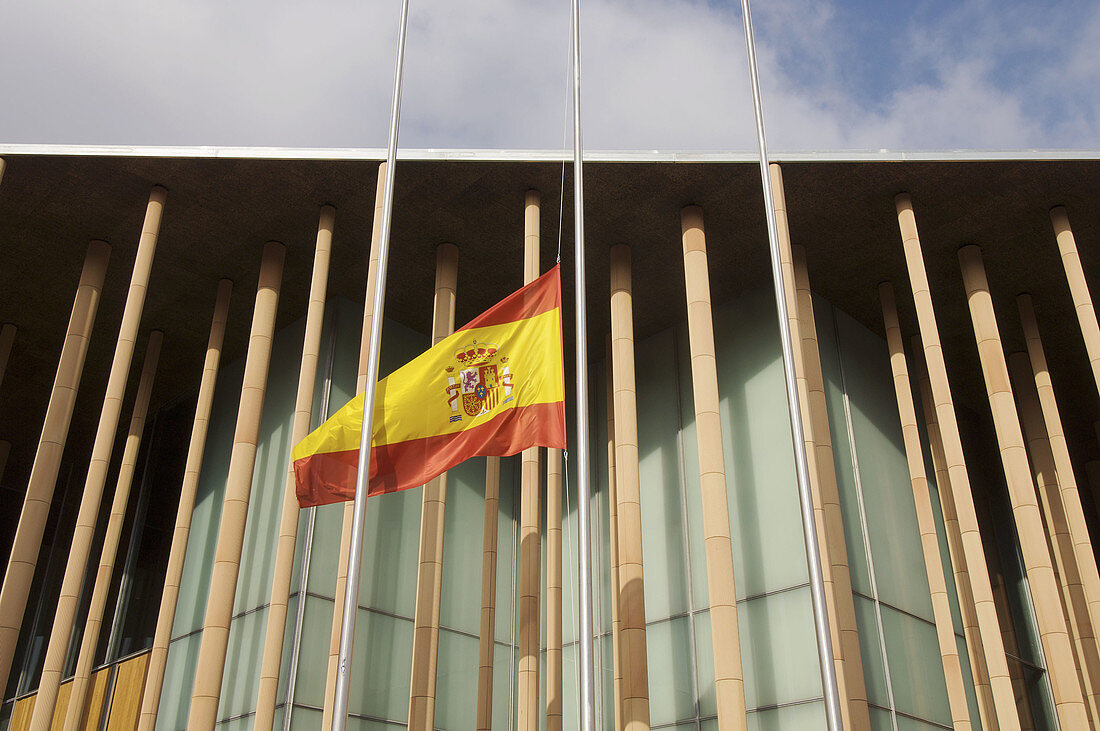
7, 336
238, 488
288, 525
360, 386
102, 447
158, 656
926, 521
47, 459
429, 572
1067, 483
1078, 287
1021, 491
78, 691
985, 610
632, 644
613, 540
1074, 603
553, 590
978, 670
818, 414
486, 645
530, 528
729, 680
815, 472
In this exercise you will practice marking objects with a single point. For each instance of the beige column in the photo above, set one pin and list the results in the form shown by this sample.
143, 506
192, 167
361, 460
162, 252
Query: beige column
7, 337
158, 656
978, 671
78, 690
1063, 465
1021, 490
926, 521
429, 572
729, 679
1074, 604
1078, 287
530, 523
815, 471
553, 590
613, 541
47, 459
288, 525
830, 497
985, 610
486, 651
238, 488
349, 511
628, 512
102, 447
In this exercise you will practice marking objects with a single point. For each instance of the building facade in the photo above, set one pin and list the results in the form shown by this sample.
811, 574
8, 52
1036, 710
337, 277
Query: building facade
946, 350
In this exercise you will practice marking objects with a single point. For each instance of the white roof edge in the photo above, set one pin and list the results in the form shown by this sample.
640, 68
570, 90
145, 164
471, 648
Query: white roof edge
378, 154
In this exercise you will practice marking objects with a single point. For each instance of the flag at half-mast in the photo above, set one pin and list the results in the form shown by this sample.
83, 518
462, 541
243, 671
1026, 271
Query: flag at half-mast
493, 388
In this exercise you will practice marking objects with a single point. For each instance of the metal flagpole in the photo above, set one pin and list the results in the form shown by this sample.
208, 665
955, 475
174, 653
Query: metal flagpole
587, 700
355, 554
809, 529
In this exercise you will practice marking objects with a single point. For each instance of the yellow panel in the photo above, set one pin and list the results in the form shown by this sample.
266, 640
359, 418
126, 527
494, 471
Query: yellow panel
96, 693
61, 706
129, 684
21, 714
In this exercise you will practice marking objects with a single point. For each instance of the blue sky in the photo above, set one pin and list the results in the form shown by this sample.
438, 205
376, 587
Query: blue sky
658, 74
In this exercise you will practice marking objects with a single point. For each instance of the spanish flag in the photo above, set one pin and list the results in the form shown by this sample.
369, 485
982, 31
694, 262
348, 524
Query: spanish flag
494, 387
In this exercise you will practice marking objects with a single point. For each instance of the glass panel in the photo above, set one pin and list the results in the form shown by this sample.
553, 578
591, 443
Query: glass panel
179, 674
779, 649
663, 548
756, 436
881, 719
309, 686
804, 717
832, 373
382, 666
704, 659
456, 681
460, 606
504, 688
915, 667
671, 687
874, 672
241, 678
304, 719
887, 491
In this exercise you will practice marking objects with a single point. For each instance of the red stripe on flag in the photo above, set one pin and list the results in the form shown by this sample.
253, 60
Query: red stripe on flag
541, 295
329, 477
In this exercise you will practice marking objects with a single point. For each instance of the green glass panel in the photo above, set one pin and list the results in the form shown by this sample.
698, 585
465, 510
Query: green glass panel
803, 717
844, 466
870, 650
381, 667
364, 724
456, 682
887, 492
179, 676
507, 576
881, 720
671, 686
759, 457
704, 658
779, 649
309, 687
391, 546
916, 668
663, 546
241, 678
912, 724
305, 719
968, 684
463, 541
504, 676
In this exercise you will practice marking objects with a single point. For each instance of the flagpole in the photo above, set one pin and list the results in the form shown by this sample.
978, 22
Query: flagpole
809, 528
587, 700
355, 554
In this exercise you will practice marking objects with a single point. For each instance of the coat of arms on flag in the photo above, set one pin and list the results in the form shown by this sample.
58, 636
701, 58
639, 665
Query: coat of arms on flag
460, 399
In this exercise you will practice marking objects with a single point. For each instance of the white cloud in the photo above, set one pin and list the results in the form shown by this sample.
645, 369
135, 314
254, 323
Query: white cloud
664, 74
